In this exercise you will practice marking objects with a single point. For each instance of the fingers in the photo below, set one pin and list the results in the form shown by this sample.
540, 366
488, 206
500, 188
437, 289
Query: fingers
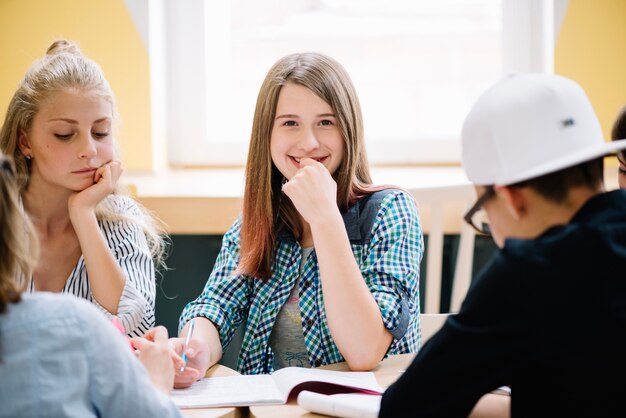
176, 347
176, 344
116, 169
157, 334
98, 174
190, 373
192, 370
109, 171
193, 348
187, 378
305, 162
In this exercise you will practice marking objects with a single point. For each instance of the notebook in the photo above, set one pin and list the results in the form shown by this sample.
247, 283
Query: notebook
345, 405
272, 389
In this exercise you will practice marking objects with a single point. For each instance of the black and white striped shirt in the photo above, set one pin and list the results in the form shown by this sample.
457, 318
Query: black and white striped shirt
128, 243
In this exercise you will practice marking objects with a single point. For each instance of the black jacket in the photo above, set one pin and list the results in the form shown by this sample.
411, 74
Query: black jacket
545, 316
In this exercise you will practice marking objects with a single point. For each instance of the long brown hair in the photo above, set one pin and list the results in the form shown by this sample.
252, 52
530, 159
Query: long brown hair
64, 66
265, 212
18, 243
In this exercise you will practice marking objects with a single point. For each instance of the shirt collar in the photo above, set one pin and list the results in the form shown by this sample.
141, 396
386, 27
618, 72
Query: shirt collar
602, 206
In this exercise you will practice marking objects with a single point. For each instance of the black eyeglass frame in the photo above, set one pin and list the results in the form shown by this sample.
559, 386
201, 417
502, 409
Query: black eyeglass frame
488, 194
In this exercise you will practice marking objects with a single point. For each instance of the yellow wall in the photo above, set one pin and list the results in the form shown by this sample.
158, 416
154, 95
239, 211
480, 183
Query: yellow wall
105, 32
591, 49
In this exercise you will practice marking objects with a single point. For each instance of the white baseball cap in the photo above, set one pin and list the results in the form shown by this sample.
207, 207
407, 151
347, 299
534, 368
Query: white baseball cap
528, 125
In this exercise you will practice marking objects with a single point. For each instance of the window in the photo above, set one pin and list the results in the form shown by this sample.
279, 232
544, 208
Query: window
418, 66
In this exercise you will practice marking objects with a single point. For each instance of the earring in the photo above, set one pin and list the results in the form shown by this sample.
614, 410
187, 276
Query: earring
28, 156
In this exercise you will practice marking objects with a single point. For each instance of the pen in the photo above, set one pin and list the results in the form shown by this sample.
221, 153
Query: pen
184, 353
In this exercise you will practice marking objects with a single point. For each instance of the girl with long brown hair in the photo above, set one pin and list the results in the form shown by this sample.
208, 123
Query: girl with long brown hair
322, 266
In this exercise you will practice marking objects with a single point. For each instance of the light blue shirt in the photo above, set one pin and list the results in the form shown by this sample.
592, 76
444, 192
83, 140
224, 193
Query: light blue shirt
60, 357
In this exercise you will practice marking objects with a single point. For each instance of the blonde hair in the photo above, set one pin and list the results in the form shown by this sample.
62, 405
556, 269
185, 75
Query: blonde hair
65, 67
18, 242
265, 213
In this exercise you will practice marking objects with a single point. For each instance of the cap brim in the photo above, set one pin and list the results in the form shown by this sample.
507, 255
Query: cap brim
569, 160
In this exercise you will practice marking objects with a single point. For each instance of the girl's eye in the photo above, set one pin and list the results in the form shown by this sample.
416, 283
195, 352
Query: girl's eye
100, 135
289, 123
63, 136
326, 122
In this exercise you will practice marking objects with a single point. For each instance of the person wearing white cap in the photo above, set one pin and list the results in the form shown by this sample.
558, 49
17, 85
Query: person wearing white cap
547, 315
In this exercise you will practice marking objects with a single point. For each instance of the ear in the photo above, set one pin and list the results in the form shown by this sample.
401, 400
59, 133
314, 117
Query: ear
514, 199
24, 144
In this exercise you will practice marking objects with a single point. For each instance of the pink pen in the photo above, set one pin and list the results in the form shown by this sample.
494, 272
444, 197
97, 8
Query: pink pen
118, 325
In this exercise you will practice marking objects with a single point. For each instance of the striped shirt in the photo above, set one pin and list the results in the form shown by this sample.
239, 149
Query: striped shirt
388, 254
130, 248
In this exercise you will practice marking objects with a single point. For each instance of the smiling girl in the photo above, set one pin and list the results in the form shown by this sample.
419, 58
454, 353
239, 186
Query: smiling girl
322, 266
95, 242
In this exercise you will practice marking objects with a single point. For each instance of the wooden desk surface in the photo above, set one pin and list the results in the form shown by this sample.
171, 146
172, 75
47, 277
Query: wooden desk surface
386, 373
217, 370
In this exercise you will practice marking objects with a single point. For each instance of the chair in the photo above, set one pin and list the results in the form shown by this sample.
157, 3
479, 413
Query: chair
441, 211
430, 324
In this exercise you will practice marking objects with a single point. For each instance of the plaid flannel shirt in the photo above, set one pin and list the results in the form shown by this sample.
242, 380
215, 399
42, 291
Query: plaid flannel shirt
389, 260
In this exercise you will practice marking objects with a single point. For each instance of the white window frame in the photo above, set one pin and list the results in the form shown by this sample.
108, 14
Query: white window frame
178, 67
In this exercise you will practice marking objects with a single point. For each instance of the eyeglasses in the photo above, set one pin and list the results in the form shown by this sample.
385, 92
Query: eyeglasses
476, 216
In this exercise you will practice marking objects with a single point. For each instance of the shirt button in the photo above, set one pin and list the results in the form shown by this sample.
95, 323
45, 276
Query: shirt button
309, 322
307, 284
318, 363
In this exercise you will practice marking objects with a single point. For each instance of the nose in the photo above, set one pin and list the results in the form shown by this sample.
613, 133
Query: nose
308, 141
87, 147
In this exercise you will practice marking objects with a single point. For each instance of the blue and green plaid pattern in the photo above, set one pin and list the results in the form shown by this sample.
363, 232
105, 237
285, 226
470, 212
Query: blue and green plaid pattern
389, 262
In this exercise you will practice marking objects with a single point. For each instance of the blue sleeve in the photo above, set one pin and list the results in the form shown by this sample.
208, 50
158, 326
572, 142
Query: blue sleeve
392, 265
119, 385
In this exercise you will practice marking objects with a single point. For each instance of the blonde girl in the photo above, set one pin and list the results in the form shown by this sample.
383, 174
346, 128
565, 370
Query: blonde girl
96, 243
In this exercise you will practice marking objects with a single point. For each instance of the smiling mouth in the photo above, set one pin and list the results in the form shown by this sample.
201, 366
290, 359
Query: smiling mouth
318, 159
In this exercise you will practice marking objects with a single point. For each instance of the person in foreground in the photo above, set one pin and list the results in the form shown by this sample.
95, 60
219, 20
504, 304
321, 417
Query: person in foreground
546, 316
96, 243
322, 265
60, 356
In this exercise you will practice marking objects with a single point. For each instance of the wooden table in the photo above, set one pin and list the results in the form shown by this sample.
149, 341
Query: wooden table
386, 373
215, 371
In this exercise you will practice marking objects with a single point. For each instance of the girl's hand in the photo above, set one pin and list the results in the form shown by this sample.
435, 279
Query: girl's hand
198, 360
104, 183
155, 355
313, 191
